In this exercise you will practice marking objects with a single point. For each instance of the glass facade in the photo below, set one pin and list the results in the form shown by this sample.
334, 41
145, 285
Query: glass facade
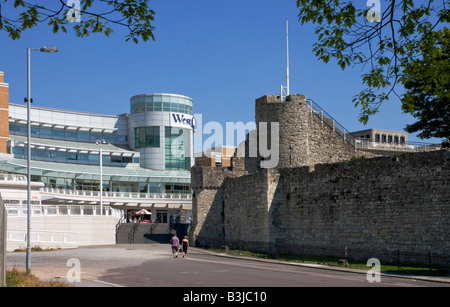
177, 148
111, 186
65, 155
72, 157
66, 134
147, 137
168, 103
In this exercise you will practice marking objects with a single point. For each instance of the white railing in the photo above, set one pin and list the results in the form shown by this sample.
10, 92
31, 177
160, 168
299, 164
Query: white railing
63, 210
115, 194
41, 237
12, 177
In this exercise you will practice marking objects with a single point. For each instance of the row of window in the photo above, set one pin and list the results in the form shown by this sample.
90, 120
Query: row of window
177, 149
389, 139
71, 157
176, 144
112, 186
65, 134
147, 137
139, 107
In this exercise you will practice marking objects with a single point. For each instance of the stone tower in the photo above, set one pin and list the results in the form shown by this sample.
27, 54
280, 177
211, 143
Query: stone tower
292, 118
307, 135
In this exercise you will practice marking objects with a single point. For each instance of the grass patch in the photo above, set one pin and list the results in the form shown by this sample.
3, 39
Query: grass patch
18, 278
36, 249
333, 261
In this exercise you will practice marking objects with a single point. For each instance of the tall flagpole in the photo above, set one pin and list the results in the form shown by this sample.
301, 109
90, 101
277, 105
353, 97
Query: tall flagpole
287, 50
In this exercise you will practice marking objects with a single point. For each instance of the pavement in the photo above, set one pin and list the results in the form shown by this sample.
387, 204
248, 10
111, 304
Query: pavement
57, 266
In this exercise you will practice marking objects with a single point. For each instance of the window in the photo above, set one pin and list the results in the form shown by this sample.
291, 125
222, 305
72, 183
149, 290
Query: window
58, 134
72, 156
218, 159
383, 138
177, 148
147, 137
45, 132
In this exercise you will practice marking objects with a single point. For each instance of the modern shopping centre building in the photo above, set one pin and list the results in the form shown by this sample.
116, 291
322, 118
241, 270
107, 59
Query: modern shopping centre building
146, 156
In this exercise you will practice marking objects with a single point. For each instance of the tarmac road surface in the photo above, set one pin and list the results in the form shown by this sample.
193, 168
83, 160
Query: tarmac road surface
152, 265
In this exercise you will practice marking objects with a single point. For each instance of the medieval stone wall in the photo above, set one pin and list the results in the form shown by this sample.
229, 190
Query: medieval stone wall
373, 207
316, 201
305, 138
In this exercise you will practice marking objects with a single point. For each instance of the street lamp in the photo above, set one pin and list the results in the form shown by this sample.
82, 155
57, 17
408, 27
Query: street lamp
29, 100
101, 174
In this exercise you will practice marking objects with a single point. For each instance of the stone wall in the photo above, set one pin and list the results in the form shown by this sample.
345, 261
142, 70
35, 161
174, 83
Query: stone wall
312, 139
374, 207
207, 204
316, 201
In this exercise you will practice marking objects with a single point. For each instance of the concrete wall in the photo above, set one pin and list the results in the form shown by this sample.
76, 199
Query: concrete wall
3, 225
88, 230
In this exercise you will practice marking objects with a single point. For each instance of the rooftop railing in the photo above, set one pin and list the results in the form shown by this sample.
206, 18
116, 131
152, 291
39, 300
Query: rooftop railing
314, 108
367, 144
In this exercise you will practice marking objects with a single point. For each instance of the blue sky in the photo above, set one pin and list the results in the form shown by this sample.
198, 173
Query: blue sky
222, 54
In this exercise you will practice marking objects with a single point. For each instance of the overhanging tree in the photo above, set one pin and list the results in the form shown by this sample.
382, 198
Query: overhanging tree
97, 16
383, 44
427, 84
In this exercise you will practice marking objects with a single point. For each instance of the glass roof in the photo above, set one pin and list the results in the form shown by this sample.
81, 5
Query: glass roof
62, 170
67, 144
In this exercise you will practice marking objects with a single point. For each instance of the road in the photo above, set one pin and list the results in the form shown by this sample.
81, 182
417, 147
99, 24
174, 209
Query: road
154, 266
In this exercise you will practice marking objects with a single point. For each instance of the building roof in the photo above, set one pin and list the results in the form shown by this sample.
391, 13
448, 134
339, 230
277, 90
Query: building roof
70, 145
92, 172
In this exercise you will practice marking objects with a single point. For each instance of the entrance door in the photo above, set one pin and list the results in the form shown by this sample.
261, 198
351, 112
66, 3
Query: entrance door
174, 217
161, 216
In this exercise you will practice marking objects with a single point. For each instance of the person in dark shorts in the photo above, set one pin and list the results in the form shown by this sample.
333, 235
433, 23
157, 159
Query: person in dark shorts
185, 245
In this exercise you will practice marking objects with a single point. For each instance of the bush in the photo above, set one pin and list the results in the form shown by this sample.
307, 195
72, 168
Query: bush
17, 278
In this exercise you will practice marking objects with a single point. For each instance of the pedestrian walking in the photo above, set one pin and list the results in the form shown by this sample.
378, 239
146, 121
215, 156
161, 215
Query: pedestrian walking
175, 243
185, 245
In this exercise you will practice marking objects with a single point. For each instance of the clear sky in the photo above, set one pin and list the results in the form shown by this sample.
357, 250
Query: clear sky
222, 54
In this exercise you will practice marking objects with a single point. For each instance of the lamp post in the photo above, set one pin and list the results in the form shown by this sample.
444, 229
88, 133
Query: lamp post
101, 174
29, 100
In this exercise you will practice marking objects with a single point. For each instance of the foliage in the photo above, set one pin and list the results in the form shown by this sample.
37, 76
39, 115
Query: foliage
382, 44
17, 278
355, 158
134, 15
427, 82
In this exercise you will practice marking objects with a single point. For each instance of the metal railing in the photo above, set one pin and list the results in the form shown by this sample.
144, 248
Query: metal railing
369, 144
116, 194
326, 118
359, 143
